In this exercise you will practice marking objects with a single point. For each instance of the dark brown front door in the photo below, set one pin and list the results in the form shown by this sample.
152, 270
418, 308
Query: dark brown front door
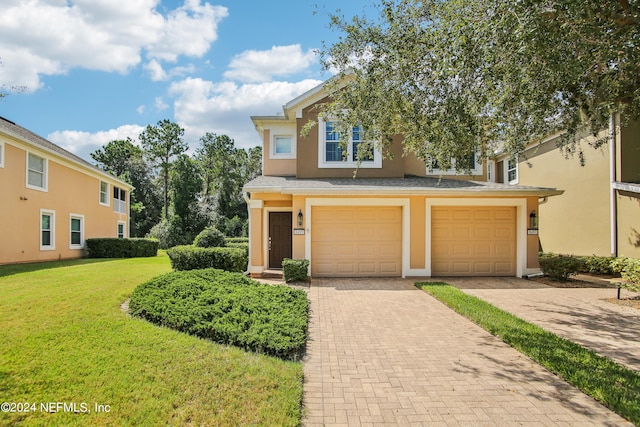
279, 238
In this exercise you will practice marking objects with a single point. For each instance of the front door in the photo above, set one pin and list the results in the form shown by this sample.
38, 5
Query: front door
279, 238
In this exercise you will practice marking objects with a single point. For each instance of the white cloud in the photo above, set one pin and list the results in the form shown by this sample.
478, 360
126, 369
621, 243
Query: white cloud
157, 73
83, 143
140, 109
225, 108
48, 37
255, 66
160, 104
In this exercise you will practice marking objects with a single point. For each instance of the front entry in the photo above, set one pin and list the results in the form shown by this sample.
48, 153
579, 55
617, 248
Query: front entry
279, 238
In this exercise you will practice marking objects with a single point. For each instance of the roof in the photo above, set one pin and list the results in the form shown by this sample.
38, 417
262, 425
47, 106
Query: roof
26, 136
409, 185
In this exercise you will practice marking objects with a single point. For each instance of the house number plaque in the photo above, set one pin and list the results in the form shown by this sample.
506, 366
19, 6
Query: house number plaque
298, 231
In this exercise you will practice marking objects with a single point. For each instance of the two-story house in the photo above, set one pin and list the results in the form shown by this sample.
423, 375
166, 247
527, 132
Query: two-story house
52, 200
396, 218
599, 212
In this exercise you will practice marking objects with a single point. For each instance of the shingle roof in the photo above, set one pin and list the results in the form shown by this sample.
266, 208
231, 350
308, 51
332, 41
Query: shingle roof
10, 128
406, 185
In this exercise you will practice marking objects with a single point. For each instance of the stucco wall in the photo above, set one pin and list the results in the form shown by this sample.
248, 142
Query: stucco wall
628, 224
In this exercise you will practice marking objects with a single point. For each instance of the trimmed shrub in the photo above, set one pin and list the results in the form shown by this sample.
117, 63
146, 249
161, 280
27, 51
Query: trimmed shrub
210, 237
560, 267
113, 247
227, 308
239, 245
189, 257
237, 240
629, 269
597, 265
295, 269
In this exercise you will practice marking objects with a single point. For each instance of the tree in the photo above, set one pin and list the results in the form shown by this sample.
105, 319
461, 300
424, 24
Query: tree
457, 77
162, 143
186, 186
126, 161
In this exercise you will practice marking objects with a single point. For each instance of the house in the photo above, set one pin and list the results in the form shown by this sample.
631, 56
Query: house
599, 212
53, 200
396, 218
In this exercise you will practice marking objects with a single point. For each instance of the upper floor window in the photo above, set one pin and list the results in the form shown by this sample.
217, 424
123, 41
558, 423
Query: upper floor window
119, 200
47, 230
1, 155
104, 193
512, 171
283, 147
36, 172
331, 154
76, 237
459, 166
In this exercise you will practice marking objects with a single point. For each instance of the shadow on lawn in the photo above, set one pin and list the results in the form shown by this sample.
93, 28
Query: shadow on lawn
11, 269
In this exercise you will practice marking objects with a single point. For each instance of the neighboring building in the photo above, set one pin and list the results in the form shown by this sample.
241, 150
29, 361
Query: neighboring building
52, 200
395, 219
599, 212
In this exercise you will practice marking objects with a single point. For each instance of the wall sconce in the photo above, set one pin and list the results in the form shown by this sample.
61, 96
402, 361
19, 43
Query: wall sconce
23, 198
300, 216
533, 219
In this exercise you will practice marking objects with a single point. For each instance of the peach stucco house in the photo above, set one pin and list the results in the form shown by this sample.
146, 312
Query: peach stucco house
599, 212
52, 200
396, 218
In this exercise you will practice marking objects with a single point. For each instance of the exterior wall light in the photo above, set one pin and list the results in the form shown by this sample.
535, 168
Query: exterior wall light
533, 219
300, 216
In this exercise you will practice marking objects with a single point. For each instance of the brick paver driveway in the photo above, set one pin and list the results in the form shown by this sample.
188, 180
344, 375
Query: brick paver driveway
383, 352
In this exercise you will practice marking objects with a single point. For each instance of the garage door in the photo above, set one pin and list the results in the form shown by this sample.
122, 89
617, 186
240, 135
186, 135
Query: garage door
356, 241
479, 241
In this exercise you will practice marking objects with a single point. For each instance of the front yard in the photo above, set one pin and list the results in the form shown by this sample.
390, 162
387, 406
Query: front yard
70, 356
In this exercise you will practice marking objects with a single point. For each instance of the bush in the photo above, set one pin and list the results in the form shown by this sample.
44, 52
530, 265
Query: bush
122, 248
192, 258
560, 267
169, 234
227, 308
210, 237
239, 245
237, 239
597, 265
295, 269
629, 269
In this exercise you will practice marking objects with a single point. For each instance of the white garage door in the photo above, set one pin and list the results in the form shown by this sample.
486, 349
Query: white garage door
473, 241
356, 241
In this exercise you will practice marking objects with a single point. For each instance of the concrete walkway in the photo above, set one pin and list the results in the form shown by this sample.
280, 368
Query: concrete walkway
382, 352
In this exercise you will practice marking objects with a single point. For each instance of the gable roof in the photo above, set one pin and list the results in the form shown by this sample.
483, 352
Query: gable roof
409, 185
24, 135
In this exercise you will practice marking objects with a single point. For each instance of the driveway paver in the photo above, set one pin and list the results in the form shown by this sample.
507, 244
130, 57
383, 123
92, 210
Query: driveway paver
382, 352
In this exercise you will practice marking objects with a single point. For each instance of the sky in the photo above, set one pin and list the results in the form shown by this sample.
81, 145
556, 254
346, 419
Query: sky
94, 71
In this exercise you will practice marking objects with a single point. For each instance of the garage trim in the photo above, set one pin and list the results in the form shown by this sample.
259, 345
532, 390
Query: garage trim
406, 215
521, 226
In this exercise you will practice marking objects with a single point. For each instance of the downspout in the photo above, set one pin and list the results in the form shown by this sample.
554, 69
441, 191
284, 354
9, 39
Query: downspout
613, 192
245, 196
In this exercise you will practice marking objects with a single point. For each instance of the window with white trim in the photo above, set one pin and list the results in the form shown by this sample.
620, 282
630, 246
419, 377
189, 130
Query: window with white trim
104, 193
121, 230
1, 155
47, 230
283, 147
469, 163
76, 231
119, 200
512, 170
332, 155
36, 172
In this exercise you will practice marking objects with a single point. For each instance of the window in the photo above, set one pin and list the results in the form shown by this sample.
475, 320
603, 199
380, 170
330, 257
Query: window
76, 237
491, 176
283, 147
47, 230
469, 162
36, 172
512, 171
104, 193
121, 230
332, 155
1, 155
119, 200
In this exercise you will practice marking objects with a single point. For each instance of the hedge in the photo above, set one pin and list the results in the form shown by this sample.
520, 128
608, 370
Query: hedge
629, 269
210, 237
122, 248
295, 269
559, 267
189, 257
227, 308
237, 240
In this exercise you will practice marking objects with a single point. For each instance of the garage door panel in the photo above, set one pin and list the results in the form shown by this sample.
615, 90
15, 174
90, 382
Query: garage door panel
372, 234
473, 240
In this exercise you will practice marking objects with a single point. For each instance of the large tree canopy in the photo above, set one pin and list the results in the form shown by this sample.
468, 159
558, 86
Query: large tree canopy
454, 76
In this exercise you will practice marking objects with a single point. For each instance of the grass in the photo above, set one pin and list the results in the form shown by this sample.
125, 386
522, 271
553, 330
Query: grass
613, 385
65, 339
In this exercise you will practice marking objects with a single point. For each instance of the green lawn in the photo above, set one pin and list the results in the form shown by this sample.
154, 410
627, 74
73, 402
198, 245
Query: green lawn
63, 338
